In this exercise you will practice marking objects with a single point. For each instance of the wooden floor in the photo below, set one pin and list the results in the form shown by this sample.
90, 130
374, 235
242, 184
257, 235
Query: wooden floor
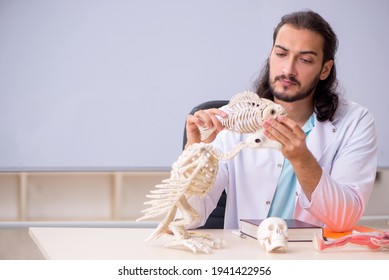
16, 244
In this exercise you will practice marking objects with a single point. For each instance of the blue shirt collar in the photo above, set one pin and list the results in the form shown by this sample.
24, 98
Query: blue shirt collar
309, 124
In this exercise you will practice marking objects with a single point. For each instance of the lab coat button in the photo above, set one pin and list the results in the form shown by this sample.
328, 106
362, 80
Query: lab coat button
267, 202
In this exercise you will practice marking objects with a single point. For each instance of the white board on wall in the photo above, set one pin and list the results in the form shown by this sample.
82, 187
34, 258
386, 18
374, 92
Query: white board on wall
107, 84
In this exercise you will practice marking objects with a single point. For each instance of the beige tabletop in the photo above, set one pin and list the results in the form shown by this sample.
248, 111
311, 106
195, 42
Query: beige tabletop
128, 243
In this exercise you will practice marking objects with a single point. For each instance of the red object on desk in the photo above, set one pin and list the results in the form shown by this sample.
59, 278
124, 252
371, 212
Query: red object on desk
329, 234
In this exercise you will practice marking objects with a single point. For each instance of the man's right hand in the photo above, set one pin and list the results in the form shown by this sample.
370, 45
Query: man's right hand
204, 118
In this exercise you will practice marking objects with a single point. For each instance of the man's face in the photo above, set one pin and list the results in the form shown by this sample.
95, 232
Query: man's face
295, 63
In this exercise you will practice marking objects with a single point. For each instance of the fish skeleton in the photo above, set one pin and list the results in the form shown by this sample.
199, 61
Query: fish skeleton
246, 112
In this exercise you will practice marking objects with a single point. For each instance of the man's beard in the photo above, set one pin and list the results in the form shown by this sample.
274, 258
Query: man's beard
299, 95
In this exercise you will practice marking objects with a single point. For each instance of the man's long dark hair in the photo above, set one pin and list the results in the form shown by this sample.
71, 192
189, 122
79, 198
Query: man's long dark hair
326, 97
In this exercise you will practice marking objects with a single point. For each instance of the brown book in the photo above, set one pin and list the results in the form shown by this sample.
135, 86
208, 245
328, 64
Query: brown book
298, 231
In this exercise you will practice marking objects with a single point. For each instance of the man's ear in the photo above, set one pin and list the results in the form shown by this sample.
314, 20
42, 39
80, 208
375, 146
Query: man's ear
326, 69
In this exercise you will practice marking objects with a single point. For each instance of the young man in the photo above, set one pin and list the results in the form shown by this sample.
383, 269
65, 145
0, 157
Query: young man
326, 169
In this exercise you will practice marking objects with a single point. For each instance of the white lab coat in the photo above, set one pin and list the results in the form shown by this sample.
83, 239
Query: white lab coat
346, 150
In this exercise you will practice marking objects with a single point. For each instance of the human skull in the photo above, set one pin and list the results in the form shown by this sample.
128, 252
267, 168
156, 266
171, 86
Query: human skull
272, 234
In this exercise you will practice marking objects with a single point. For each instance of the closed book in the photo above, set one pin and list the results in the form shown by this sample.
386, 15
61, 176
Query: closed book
298, 231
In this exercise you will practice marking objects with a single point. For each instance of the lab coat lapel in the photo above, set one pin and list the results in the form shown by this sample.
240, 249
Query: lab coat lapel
320, 137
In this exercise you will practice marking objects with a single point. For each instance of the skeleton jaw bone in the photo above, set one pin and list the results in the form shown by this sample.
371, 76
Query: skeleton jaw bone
259, 140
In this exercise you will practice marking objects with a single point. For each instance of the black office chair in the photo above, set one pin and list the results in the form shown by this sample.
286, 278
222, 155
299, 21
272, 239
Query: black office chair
216, 218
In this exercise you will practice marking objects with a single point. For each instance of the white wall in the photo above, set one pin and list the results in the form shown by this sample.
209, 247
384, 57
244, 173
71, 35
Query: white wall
106, 85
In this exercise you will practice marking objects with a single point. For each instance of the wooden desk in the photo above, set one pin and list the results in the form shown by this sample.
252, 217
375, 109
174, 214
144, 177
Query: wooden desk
128, 244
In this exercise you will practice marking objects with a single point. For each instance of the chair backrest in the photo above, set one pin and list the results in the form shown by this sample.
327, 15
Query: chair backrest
216, 218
